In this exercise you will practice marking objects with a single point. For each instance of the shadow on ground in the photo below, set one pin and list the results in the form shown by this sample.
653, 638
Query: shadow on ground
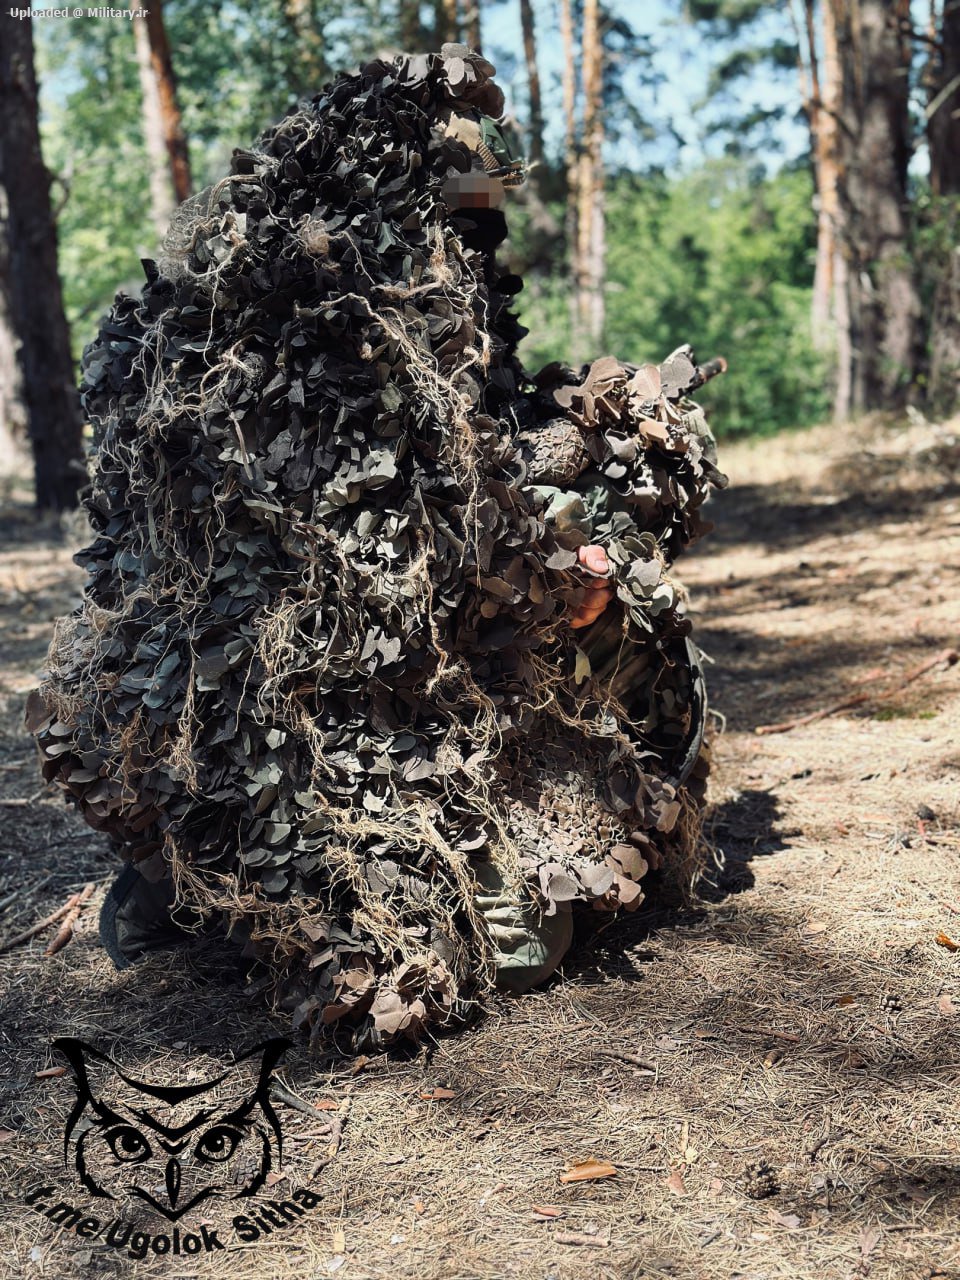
761, 513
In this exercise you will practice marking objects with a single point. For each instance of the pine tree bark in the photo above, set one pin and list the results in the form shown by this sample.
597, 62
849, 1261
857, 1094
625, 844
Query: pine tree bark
591, 238
13, 421
544, 227
447, 22
571, 167
832, 309
533, 81
161, 62
943, 136
569, 82
161, 186
943, 126
822, 114
882, 300
471, 25
36, 300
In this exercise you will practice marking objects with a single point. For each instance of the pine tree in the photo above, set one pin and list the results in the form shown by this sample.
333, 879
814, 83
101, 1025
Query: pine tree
34, 291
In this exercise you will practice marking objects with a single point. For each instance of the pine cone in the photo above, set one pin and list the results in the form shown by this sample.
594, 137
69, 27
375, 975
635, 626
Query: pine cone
554, 452
758, 1181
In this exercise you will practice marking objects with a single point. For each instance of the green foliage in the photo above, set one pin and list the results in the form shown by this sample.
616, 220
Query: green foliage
730, 14
238, 67
745, 59
936, 235
722, 259
92, 142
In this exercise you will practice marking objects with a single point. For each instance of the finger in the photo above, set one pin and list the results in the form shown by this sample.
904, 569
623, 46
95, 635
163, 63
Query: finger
594, 558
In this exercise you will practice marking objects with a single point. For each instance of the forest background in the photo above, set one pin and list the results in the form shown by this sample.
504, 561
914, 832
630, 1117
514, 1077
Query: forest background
778, 181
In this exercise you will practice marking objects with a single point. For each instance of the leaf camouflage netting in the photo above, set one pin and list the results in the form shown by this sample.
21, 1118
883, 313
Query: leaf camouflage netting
323, 669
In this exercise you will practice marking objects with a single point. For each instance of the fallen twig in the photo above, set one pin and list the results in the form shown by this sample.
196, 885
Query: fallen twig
298, 1104
75, 900
333, 1147
19, 801
65, 932
949, 656
829, 1135
633, 1058
581, 1238
766, 1031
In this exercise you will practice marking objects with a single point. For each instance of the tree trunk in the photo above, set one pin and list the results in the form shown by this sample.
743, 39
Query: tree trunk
943, 126
36, 300
174, 139
471, 25
311, 64
447, 22
569, 80
13, 421
571, 167
533, 81
944, 393
161, 187
411, 30
943, 135
590, 193
825, 106
873, 226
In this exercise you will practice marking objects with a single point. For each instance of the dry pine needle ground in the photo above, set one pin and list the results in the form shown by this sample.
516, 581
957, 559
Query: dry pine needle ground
793, 1037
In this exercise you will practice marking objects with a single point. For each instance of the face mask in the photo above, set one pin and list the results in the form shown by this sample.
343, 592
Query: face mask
482, 229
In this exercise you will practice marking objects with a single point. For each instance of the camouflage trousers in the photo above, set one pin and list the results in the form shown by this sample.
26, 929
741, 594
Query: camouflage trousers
528, 945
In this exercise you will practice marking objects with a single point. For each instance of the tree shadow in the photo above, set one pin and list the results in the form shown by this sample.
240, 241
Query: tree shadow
756, 679
762, 513
742, 828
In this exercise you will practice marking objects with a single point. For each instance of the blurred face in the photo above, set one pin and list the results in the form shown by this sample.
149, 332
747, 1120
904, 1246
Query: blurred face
473, 191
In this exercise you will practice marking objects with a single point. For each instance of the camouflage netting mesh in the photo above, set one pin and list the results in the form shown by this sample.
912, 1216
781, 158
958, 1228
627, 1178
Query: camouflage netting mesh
323, 665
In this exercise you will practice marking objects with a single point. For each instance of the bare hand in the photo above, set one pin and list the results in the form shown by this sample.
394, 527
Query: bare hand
600, 593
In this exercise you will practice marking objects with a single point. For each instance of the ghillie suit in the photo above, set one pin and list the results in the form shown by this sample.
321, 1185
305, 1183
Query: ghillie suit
326, 616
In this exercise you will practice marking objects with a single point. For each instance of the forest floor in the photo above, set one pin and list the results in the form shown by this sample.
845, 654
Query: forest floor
803, 1013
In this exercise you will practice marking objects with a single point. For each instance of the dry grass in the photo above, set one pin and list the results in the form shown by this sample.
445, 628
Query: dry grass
803, 1014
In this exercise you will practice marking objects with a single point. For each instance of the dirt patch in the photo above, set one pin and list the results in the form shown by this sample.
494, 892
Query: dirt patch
795, 1034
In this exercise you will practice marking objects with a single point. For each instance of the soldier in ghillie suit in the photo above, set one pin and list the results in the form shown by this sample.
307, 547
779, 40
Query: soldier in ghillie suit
379, 659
